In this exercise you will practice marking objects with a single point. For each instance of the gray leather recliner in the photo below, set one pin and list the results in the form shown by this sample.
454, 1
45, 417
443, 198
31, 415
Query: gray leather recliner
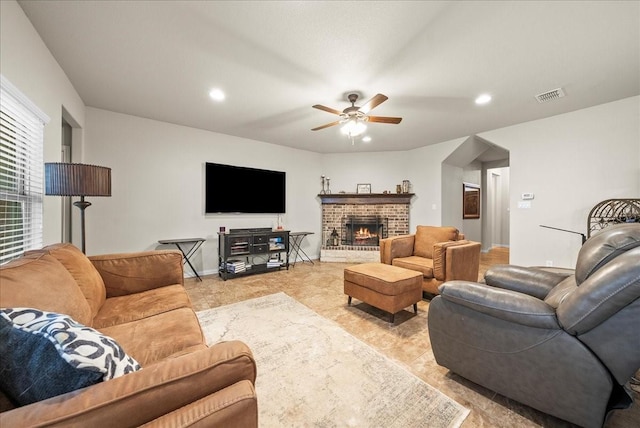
563, 344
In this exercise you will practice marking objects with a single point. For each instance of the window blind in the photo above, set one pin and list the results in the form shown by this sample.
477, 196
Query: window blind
21, 172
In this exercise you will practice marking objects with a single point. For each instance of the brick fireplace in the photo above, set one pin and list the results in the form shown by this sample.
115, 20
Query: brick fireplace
353, 224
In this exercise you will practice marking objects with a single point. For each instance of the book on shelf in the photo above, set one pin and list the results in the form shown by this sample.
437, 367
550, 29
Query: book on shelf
274, 263
235, 266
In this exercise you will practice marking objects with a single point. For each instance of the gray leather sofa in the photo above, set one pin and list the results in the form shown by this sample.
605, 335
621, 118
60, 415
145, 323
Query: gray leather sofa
563, 344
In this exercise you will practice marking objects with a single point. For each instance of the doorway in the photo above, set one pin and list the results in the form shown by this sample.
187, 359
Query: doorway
486, 166
498, 207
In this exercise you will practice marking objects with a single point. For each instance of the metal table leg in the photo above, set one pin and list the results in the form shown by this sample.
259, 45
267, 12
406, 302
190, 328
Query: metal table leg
197, 243
295, 240
188, 254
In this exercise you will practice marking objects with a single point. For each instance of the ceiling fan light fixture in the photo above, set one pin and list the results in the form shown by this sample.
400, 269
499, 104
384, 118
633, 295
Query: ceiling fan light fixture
353, 127
353, 119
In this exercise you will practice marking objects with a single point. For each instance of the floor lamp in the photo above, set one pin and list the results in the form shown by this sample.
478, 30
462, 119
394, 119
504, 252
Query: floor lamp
77, 179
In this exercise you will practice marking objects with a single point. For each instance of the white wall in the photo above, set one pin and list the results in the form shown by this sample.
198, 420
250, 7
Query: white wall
158, 183
425, 166
570, 162
382, 170
452, 177
27, 63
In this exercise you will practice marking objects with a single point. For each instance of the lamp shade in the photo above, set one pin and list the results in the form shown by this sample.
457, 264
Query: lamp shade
77, 179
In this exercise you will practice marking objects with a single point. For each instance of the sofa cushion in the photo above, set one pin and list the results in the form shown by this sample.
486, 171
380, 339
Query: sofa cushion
40, 281
560, 292
133, 307
427, 236
156, 338
130, 273
83, 271
45, 354
420, 264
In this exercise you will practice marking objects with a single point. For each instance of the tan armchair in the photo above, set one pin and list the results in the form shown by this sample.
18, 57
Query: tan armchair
439, 253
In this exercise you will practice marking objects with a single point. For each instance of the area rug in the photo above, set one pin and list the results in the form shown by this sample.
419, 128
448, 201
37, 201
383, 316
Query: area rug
312, 373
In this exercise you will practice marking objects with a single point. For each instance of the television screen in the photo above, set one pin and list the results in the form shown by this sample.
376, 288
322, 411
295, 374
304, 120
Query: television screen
236, 189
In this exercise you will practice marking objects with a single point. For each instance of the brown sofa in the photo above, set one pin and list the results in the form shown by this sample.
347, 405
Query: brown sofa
139, 300
440, 253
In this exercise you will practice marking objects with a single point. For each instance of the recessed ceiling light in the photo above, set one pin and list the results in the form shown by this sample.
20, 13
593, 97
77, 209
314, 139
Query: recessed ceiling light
366, 139
483, 99
216, 94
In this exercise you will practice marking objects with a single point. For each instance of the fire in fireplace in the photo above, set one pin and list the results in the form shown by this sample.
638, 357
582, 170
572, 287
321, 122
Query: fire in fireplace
364, 230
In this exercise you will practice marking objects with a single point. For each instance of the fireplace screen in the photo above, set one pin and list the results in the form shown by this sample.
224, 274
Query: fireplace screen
364, 230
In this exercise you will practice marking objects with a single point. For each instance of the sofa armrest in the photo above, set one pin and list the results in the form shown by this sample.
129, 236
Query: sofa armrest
128, 273
396, 246
506, 305
234, 406
456, 260
145, 395
528, 280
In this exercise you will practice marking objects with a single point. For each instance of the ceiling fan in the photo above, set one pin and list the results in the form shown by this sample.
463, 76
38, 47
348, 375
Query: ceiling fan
354, 117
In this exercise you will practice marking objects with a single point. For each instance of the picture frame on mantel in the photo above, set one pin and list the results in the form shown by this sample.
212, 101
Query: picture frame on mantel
363, 188
470, 201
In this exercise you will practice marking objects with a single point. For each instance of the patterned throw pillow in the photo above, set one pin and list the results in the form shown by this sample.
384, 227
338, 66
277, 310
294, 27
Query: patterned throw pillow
44, 354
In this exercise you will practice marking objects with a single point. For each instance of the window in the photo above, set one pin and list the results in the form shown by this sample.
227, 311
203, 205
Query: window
21, 172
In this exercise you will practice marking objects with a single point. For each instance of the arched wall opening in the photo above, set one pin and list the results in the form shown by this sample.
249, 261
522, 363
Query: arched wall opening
483, 165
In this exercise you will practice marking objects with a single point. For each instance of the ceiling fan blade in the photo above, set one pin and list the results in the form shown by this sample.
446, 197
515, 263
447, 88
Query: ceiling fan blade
327, 109
382, 119
373, 102
326, 126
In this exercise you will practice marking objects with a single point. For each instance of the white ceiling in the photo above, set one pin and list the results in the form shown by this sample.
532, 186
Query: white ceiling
275, 59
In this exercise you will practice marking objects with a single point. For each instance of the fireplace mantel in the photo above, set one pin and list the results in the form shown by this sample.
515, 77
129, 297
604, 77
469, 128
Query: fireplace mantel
366, 198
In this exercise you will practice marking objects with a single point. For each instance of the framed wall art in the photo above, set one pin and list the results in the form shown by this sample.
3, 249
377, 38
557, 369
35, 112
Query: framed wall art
470, 201
363, 188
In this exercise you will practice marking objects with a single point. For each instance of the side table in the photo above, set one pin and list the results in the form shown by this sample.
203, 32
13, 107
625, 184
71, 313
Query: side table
295, 241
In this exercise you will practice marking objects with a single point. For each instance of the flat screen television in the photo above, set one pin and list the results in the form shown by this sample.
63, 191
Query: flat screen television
237, 189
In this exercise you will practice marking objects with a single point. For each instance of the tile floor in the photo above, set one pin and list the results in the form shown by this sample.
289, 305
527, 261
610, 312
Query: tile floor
319, 286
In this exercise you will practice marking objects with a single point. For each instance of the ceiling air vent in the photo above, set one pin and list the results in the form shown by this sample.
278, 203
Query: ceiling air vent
550, 95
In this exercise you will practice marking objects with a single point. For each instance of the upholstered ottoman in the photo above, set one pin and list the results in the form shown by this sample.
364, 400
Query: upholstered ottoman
386, 287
